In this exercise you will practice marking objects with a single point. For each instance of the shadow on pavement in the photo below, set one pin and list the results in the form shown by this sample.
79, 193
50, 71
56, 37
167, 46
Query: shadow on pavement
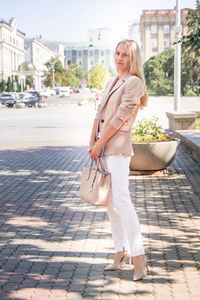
44, 225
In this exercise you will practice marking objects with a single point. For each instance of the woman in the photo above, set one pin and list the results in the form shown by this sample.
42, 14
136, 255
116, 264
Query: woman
120, 103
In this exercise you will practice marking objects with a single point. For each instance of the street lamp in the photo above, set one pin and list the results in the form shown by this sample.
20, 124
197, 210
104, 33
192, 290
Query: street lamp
177, 59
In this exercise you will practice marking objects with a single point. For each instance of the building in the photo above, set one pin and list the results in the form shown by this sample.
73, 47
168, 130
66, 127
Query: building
37, 54
12, 52
157, 29
54, 46
133, 31
86, 54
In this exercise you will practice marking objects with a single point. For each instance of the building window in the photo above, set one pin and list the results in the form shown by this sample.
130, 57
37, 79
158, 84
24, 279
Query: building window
154, 53
102, 61
153, 29
154, 43
91, 63
79, 53
69, 62
91, 53
166, 29
102, 53
79, 63
166, 42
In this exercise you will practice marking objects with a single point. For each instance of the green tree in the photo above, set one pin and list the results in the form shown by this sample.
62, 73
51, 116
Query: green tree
29, 81
191, 52
98, 76
59, 72
2, 86
159, 73
74, 75
9, 85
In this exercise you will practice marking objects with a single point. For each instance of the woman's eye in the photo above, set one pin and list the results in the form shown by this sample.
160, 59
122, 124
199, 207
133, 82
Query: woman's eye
124, 54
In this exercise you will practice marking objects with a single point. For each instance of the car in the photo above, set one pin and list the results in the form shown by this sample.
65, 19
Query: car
64, 93
11, 102
35, 94
74, 90
57, 90
31, 101
5, 97
47, 93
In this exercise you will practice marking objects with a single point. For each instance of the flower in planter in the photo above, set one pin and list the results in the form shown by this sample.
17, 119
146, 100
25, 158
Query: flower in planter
148, 131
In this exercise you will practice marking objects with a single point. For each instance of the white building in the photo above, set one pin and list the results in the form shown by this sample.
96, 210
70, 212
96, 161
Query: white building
133, 31
12, 52
56, 47
38, 54
86, 54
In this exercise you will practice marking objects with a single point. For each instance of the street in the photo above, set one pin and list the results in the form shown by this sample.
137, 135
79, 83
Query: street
64, 122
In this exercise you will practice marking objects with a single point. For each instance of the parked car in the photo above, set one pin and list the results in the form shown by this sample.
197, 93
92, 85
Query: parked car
47, 93
11, 102
35, 94
5, 97
74, 90
31, 101
26, 98
64, 93
57, 90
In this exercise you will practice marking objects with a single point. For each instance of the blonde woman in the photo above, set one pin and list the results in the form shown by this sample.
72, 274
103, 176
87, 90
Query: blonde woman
122, 98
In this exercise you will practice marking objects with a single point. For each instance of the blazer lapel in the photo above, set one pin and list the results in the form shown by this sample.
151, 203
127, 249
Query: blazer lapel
112, 88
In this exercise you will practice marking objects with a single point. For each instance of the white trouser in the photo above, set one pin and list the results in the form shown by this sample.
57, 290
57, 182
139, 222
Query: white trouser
125, 226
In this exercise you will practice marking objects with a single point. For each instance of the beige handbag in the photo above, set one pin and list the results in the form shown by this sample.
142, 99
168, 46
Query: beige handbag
95, 184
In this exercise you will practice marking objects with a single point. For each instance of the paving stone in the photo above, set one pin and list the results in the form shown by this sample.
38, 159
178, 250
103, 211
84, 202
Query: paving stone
50, 232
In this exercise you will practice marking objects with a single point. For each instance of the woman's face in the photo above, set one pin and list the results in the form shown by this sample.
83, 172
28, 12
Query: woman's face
122, 58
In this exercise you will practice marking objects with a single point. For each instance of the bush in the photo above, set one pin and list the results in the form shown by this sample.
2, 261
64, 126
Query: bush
190, 93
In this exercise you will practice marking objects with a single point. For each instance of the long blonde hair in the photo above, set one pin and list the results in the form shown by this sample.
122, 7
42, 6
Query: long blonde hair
136, 67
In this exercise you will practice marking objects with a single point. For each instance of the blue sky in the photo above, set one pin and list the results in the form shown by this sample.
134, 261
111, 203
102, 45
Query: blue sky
68, 20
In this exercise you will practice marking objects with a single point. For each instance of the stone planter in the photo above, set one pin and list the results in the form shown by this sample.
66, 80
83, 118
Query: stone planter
20, 105
41, 105
153, 156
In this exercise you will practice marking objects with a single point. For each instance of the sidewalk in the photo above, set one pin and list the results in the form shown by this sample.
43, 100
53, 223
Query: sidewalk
55, 246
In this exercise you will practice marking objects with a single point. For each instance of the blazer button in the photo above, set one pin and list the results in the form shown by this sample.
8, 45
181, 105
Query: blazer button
102, 120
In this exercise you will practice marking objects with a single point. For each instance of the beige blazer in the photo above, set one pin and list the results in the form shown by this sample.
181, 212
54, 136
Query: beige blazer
119, 107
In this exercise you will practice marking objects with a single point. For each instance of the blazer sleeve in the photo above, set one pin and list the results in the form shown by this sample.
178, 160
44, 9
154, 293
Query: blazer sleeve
97, 117
134, 90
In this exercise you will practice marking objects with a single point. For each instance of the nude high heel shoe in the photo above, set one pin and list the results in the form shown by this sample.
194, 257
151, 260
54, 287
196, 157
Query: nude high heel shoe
144, 268
119, 264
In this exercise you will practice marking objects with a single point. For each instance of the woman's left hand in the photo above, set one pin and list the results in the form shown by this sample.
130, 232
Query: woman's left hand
95, 151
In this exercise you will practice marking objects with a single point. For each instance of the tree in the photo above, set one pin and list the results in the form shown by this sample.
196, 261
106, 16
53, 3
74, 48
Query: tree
159, 73
29, 81
191, 51
59, 72
74, 75
2, 86
98, 76
9, 85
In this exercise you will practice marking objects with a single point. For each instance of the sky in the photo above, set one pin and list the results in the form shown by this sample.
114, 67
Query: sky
69, 20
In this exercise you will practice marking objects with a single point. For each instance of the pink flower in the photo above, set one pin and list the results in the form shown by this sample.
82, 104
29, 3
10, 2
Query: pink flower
167, 135
170, 133
160, 130
149, 131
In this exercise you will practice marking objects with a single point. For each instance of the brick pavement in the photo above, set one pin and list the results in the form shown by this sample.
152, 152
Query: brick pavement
54, 246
